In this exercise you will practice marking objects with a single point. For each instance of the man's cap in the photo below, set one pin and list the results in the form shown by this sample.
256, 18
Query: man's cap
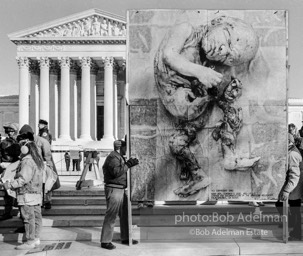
41, 121
119, 143
25, 129
291, 138
11, 126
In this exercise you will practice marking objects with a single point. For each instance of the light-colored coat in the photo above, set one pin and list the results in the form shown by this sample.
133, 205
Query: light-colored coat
28, 182
294, 177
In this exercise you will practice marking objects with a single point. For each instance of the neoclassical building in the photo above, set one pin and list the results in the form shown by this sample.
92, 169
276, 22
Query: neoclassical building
72, 74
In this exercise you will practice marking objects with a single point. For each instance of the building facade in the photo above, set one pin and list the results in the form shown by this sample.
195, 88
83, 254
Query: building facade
295, 112
72, 74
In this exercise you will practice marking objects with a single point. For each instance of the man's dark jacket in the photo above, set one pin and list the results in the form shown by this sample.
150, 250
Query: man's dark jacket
114, 169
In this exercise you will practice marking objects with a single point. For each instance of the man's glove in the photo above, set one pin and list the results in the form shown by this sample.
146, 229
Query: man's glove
283, 195
132, 162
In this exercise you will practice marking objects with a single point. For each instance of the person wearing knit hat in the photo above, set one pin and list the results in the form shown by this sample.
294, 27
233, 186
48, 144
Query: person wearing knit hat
43, 130
9, 153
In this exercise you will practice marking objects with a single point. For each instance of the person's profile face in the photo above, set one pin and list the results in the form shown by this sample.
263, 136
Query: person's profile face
41, 126
9, 132
292, 130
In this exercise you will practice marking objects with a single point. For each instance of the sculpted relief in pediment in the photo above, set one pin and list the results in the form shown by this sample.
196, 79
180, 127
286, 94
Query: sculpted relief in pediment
93, 26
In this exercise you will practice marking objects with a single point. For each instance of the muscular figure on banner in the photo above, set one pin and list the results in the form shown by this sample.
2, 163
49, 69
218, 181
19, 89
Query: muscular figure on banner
196, 68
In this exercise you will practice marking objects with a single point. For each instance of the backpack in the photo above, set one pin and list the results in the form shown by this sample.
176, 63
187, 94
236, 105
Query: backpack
49, 178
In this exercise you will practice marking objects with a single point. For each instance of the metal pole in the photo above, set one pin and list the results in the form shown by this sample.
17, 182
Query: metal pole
285, 221
285, 203
129, 204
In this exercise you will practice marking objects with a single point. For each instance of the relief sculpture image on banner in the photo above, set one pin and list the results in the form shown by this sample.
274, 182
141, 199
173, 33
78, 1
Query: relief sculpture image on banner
207, 104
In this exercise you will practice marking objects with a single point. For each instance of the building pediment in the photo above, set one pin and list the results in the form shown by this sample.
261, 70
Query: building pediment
92, 25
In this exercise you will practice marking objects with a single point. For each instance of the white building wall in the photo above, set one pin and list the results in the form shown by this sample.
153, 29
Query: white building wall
295, 112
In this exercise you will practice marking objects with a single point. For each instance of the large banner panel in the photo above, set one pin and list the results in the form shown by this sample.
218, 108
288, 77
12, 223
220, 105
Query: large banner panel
207, 96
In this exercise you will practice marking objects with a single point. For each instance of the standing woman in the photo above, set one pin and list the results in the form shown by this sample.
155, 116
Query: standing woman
28, 185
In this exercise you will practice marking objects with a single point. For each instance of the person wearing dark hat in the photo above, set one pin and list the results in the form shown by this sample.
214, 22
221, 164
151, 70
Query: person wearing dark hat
292, 190
44, 148
43, 131
9, 153
114, 169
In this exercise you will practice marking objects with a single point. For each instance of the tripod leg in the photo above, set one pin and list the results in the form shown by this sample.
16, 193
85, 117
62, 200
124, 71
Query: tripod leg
96, 169
83, 175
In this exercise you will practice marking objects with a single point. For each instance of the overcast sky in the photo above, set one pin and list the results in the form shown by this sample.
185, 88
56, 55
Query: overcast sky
17, 15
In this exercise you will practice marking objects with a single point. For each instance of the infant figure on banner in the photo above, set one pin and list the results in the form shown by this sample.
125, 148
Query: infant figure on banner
196, 68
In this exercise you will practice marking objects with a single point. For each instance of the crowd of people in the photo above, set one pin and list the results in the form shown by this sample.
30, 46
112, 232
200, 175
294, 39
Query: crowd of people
32, 154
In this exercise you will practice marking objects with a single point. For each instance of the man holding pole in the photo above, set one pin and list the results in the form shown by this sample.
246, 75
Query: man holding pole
115, 178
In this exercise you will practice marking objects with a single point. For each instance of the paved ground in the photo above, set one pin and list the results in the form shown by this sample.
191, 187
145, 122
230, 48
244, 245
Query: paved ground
77, 248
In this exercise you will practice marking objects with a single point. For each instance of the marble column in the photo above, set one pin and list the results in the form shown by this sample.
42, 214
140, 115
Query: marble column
56, 100
64, 131
85, 98
37, 104
54, 81
123, 121
74, 100
23, 63
115, 99
93, 75
34, 95
44, 88
108, 136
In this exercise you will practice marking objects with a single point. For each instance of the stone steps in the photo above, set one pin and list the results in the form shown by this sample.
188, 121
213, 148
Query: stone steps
82, 192
95, 207
170, 215
65, 221
72, 210
78, 215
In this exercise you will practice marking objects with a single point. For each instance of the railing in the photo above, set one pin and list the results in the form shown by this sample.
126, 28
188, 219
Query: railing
63, 168
62, 165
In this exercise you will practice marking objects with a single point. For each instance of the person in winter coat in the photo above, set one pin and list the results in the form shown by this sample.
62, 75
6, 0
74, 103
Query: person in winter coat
44, 149
44, 132
114, 169
292, 190
9, 153
28, 186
